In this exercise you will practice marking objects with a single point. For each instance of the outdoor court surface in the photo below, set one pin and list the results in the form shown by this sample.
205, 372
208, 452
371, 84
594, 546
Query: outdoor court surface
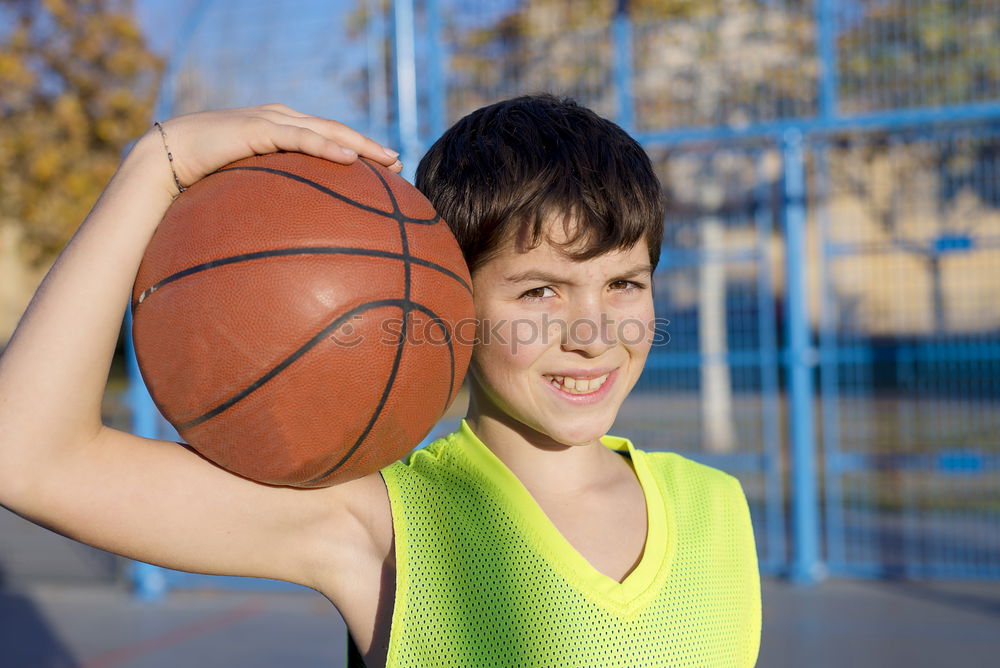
861, 624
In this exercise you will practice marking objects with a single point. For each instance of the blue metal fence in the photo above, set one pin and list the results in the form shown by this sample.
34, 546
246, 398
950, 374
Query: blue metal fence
908, 351
832, 257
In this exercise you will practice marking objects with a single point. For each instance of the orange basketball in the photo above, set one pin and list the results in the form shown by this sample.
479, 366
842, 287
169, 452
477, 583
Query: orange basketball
295, 319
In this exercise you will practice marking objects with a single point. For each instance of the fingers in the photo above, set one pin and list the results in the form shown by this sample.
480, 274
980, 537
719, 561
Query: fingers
202, 142
365, 146
303, 140
353, 142
281, 109
280, 137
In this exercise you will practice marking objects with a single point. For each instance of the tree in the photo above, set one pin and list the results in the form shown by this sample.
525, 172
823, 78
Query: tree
906, 53
919, 191
717, 62
77, 82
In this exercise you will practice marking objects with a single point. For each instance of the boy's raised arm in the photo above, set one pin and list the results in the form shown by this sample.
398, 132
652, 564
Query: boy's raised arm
150, 500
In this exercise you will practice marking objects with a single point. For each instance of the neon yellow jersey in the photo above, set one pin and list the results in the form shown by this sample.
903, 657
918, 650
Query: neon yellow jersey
483, 577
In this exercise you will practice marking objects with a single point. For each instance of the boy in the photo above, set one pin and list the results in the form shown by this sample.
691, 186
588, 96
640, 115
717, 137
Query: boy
527, 537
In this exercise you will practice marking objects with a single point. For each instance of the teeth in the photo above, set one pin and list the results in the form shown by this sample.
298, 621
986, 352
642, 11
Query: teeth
579, 385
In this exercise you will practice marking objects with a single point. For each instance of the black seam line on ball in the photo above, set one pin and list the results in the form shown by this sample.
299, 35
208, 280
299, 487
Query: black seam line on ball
392, 377
284, 252
400, 344
403, 240
375, 414
394, 215
285, 363
451, 349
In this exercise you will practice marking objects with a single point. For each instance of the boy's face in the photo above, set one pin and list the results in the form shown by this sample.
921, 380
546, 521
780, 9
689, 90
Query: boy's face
561, 342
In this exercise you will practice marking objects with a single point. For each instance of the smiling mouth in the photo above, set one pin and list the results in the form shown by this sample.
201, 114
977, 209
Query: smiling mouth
578, 385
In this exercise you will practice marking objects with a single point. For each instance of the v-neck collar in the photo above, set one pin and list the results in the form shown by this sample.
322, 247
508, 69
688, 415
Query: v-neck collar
642, 584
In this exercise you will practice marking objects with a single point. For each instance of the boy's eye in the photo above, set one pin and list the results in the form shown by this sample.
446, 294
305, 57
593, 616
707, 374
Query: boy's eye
536, 293
621, 285
625, 286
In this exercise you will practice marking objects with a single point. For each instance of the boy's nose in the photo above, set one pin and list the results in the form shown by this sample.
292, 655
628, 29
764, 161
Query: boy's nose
590, 331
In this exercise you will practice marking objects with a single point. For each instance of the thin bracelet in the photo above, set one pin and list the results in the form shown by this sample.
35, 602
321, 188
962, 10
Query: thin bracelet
170, 158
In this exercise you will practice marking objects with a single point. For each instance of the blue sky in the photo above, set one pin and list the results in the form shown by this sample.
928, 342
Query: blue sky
161, 21
259, 51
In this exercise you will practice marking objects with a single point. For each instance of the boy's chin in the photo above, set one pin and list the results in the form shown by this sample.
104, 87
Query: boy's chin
581, 432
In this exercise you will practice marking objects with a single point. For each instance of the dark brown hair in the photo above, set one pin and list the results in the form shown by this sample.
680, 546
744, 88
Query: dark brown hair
503, 170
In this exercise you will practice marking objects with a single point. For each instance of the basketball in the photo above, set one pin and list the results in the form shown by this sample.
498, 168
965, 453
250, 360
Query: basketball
295, 319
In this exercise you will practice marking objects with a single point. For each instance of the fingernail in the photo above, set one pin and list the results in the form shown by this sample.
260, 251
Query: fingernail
389, 152
350, 153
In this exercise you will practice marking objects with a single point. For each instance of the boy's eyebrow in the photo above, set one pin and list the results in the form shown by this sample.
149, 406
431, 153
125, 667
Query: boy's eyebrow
544, 277
637, 271
535, 276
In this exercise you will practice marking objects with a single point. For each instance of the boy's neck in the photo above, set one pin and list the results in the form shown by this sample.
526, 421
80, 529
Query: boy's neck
544, 466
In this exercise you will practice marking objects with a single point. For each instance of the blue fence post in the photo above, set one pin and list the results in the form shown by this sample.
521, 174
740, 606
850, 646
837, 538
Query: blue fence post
826, 47
769, 384
621, 37
829, 366
800, 360
149, 583
437, 87
378, 94
403, 29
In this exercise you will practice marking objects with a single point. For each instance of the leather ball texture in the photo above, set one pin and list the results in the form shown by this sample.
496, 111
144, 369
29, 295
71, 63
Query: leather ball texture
299, 322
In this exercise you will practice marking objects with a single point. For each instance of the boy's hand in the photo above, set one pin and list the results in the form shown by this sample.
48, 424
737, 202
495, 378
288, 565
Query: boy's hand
203, 142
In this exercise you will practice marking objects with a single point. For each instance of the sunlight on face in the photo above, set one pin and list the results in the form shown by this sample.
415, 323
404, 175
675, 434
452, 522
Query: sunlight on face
561, 342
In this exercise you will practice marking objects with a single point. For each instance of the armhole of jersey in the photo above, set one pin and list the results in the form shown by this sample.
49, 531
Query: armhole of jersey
389, 477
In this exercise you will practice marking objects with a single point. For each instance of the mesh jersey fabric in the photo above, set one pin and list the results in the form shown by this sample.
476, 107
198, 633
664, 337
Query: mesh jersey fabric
483, 577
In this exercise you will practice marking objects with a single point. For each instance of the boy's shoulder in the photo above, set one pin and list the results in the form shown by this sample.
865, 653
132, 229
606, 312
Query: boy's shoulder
689, 483
428, 460
680, 470
681, 464
698, 492
435, 451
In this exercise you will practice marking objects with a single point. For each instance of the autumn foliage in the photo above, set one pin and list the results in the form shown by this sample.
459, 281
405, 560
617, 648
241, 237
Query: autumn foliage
77, 83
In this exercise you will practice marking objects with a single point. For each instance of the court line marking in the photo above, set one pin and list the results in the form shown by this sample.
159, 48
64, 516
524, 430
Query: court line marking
120, 655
